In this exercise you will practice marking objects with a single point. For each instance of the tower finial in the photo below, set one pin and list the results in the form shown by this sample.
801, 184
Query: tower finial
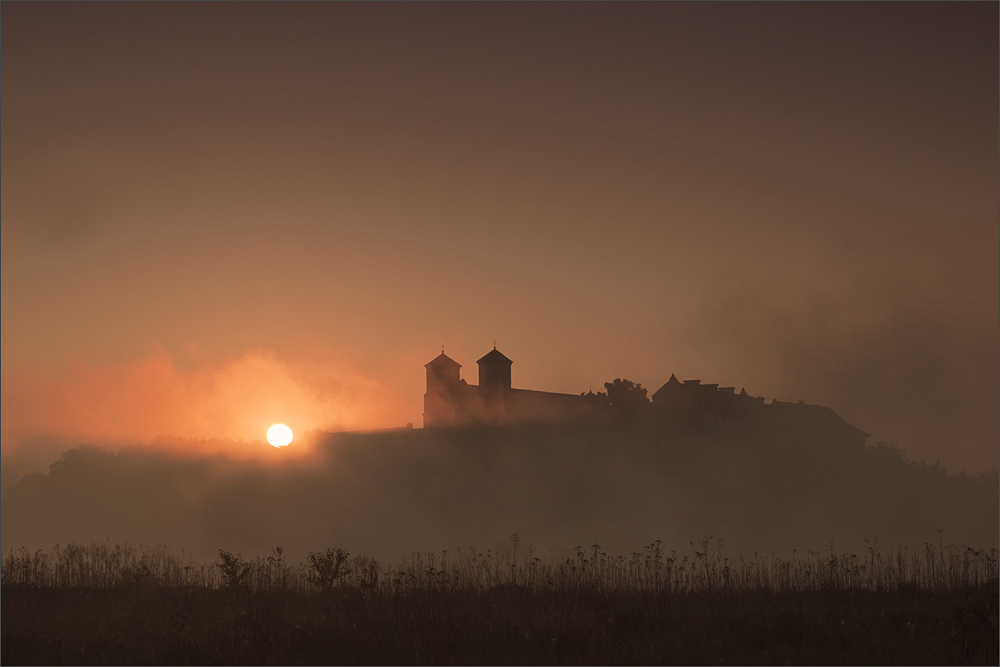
494, 345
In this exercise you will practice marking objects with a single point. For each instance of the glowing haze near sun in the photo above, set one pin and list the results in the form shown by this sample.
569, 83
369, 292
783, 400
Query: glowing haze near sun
196, 406
279, 435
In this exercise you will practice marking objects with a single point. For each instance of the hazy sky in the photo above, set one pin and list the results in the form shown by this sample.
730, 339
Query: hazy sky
217, 216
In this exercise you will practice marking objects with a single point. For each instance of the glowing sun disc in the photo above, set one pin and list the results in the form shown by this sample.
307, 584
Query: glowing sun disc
279, 435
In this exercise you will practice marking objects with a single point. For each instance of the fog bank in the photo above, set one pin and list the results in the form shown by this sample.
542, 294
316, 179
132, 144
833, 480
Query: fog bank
392, 493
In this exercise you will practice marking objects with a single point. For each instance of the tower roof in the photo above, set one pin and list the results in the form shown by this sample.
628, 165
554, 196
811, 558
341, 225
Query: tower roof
494, 357
442, 361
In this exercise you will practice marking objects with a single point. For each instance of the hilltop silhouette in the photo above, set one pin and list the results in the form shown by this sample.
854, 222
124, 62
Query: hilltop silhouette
618, 467
690, 405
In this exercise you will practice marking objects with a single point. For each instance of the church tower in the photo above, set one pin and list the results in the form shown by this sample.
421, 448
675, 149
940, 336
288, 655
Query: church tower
443, 390
494, 372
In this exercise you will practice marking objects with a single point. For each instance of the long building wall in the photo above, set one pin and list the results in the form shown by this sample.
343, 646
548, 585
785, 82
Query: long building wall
469, 404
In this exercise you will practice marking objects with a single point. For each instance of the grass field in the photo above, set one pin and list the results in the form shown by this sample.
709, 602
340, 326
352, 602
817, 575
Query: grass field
102, 604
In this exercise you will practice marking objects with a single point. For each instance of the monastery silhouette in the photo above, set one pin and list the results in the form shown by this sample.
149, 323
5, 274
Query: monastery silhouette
451, 401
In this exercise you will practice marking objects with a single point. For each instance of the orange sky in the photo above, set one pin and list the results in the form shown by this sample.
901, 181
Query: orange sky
217, 213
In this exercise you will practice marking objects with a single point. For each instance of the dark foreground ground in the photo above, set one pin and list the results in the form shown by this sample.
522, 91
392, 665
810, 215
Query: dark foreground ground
155, 624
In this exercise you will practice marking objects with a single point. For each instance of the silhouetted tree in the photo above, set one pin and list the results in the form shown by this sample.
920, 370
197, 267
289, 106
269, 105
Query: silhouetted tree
326, 569
626, 398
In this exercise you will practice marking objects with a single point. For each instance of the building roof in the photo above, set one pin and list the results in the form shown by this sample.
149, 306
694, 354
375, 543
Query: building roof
442, 361
820, 414
494, 357
671, 385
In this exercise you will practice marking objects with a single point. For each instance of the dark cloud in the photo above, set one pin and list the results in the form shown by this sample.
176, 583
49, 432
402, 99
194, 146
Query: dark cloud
922, 376
926, 381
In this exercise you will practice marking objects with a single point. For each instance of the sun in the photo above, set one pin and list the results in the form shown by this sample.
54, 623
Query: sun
279, 435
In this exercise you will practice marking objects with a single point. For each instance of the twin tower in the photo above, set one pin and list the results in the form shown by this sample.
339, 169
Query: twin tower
494, 371
451, 401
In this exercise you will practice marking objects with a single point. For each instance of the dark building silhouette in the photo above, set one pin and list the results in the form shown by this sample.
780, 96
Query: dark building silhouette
702, 405
451, 401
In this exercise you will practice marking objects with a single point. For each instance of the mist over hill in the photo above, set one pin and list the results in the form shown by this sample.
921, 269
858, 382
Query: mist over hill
392, 493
